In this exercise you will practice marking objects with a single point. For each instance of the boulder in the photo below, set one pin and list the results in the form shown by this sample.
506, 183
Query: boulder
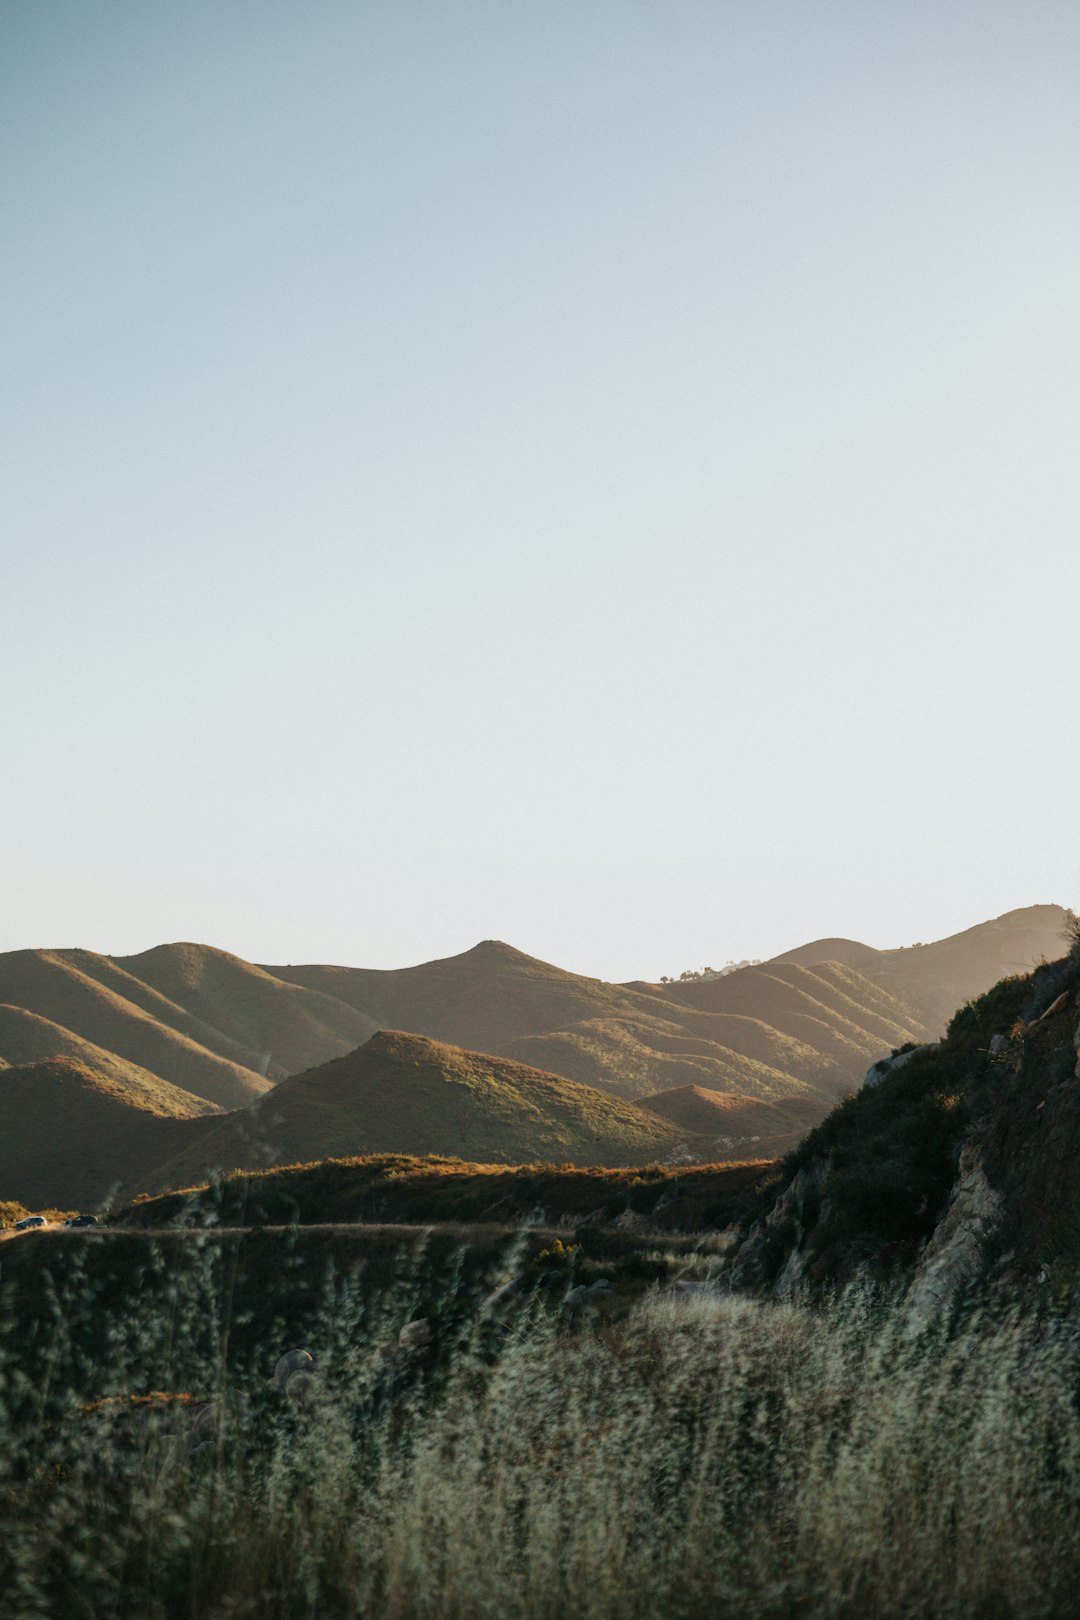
884, 1067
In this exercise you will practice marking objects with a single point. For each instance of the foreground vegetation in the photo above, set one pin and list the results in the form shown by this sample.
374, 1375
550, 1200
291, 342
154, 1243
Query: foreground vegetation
675, 1453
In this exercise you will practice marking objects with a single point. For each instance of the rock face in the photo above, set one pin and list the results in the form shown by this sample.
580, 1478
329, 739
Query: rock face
785, 1224
879, 1071
954, 1255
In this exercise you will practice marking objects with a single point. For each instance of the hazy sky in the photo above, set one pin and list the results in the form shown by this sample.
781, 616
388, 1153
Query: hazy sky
602, 476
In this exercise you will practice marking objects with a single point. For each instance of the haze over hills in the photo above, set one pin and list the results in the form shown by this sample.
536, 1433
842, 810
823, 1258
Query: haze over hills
739, 1127
934, 979
185, 1029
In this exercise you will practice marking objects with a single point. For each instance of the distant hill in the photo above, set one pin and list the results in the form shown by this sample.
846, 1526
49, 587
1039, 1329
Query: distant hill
93, 998
633, 1057
26, 1038
404, 1093
267, 1023
69, 1137
482, 999
774, 1038
189, 1027
739, 1127
937, 978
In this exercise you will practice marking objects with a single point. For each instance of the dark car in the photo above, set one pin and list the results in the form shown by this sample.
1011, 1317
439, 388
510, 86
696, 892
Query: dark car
29, 1223
81, 1220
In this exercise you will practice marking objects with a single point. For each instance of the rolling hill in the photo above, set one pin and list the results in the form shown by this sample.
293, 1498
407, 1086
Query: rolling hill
91, 997
69, 1137
188, 1029
403, 1093
26, 1038
737, 1127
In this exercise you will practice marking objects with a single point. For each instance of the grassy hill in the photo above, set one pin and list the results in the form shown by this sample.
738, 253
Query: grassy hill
933, 980
939, 977
759, 1034
960, 1164
482, 999
267, 1023
745, 1127
403, 1093
94, 999
69, 1136
636, 1057
186, 1020
384, 1188
26, 1038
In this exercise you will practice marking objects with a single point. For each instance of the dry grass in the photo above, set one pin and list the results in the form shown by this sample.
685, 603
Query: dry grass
703, 1457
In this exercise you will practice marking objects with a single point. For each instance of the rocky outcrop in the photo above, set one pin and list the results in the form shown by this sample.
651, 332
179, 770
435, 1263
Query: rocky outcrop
771, 1257
955, 1254
884, 1067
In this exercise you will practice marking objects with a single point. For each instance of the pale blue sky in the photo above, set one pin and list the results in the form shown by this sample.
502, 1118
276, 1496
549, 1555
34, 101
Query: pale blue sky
602, 476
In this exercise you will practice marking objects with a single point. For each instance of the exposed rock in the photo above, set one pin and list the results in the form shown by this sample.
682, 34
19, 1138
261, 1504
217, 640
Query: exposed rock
879, 1071
998, 1044
1057, 1006
588, 1293
415, 1335
954, 1255
787, 1222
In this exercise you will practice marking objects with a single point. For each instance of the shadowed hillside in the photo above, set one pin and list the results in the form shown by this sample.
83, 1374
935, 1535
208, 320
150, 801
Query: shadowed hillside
69, 1137
950, 1170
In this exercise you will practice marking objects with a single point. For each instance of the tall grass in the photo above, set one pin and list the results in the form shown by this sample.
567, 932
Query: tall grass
703, 1456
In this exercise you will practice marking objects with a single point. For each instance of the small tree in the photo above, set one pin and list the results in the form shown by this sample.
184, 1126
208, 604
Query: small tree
1071, 932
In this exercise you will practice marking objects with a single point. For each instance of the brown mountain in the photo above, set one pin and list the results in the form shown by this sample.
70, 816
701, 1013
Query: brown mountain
761, 1034
735, 1126
406, 1094
26, 1038
93, 998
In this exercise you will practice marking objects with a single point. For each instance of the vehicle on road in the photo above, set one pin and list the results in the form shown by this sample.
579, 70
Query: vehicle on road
30, 1222
81, 1220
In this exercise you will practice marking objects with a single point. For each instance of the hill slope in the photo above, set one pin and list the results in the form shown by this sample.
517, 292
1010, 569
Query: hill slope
403, 1093
69, 1136
956, 1169
267, 1023
26, 1038
94, 999
933, 980
738, 1127
631, 1039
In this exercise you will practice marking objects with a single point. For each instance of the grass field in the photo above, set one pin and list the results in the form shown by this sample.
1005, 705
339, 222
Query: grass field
683, 1455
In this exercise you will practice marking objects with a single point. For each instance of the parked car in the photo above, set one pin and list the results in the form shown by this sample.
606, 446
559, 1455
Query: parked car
81, 1220
30, 1222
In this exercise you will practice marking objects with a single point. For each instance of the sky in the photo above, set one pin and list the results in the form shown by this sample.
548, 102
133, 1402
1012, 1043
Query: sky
599, 476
